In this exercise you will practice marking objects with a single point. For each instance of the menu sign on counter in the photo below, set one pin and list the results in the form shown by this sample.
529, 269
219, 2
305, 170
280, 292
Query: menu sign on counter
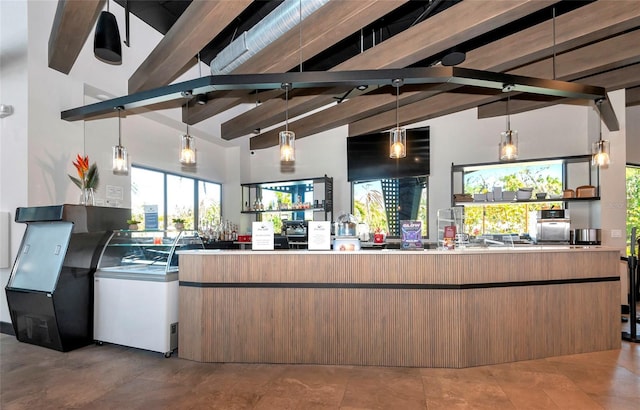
319, 235
411, 234
262, 236
151, 217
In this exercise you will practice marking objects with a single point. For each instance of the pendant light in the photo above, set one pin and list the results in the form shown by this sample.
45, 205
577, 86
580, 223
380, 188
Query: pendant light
120, 155
601, 148
187, 146
287, 138
106, 42
508, 138
397, 136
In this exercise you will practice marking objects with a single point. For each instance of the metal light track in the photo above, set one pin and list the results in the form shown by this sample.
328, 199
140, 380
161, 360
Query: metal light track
310, 79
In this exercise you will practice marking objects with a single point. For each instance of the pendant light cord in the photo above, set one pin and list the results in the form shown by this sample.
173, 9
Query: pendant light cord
286, 111
554, 43
397, 106
508, 113
187, 120
119, 127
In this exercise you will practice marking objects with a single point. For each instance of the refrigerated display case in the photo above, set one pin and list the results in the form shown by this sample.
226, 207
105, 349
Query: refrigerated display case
136, 289
50, 290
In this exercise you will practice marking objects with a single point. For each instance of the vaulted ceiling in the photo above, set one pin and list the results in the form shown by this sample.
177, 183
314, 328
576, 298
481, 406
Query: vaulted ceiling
590, 42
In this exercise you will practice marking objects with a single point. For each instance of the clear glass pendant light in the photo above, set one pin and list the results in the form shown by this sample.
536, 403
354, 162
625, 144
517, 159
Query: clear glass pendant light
397, 136
287, 138
120, 155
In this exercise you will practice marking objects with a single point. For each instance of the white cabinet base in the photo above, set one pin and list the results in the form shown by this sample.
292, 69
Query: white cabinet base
136, 313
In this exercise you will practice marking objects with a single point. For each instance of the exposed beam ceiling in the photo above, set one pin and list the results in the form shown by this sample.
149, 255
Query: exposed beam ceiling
457, 24
602, 17
594, 43
324, 28
72, 24
625, 77
183, 42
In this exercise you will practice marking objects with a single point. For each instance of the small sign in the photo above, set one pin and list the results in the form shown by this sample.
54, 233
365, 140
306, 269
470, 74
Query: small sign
449, 239
262, 236
319, 235
411, 234
114, 192
150, 217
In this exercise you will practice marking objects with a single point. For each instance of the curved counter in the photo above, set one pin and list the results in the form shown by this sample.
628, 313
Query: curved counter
398, 308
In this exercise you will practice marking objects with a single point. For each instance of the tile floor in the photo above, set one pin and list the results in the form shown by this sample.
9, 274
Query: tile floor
117, 377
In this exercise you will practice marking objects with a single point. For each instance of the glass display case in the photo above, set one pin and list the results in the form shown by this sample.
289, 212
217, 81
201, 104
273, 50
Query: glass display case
136, 289
147, 252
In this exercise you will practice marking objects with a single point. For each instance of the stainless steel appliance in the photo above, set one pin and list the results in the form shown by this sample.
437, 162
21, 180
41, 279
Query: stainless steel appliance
553, 226
296, 233
587, 236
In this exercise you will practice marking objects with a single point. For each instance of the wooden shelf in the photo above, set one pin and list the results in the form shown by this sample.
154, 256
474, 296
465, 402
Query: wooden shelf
525, 201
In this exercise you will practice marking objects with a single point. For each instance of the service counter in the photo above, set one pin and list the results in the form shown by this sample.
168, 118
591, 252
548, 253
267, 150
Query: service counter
451, 309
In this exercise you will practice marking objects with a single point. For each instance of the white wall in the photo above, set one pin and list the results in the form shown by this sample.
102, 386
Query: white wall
13, 129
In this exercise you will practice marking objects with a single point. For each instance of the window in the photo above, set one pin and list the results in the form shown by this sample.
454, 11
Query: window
508, 218
194, 200
633, 201
383, 203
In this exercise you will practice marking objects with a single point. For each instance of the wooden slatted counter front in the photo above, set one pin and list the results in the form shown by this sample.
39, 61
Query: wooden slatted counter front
398, 308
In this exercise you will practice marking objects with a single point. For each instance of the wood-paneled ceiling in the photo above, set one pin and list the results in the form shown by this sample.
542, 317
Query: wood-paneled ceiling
590, 42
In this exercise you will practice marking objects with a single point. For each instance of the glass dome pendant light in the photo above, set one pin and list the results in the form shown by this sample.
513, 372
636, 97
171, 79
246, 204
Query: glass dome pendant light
397, 136
287, 138
508, 140
187, 146
601, 148
120, 155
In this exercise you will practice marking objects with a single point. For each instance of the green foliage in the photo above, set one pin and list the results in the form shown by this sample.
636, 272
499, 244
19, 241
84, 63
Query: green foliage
507, 218
633, 199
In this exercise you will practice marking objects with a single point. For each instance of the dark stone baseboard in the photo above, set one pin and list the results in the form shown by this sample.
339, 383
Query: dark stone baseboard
7, 328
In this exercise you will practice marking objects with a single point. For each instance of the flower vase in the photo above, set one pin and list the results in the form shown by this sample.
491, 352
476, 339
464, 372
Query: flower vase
87, 197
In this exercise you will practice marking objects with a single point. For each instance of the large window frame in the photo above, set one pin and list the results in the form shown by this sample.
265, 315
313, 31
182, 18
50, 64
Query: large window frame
391, 229
163, 217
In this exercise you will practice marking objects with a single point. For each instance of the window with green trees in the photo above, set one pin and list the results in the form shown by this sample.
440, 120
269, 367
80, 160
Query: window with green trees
193, 200
383, 203
510, 217
633, 199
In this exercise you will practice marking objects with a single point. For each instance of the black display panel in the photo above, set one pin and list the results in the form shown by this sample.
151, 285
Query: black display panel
368, 156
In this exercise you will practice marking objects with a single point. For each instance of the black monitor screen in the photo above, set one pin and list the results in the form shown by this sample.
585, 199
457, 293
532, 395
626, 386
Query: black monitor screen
368, 156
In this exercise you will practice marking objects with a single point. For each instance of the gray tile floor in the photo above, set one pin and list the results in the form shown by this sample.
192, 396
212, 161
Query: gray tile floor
117, 377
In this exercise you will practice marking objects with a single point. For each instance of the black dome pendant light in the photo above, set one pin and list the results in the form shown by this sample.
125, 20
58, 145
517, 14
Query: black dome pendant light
106, 43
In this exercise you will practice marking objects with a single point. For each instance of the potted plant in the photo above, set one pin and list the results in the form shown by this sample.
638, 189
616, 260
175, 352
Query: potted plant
133, 224
178, 223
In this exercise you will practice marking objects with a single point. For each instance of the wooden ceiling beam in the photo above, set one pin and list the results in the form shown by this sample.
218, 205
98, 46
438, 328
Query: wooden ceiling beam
625, 77
589, 23
633, 96
444, 104
327, 26
72, 24
345, 113
461, 22
195, 28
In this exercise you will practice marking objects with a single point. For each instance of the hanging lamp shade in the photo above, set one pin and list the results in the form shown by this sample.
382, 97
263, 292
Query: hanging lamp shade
187, 149
509, 145
509, 138
398, 143
287, 146
287, 138
398, 135
106, 43
601, 148
120, 154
